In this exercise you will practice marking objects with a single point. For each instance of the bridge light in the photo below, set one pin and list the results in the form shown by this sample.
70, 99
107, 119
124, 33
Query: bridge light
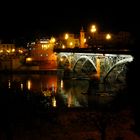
61, 59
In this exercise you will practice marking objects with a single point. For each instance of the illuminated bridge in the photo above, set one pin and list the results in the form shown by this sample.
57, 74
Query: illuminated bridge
102, 63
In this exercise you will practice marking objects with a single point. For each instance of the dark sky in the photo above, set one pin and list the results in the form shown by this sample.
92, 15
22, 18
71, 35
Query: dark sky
34, 18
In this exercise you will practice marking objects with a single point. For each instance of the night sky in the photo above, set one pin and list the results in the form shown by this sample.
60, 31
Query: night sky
40, 18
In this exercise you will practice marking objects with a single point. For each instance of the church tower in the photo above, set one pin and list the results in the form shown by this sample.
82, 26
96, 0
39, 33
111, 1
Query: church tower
82, 38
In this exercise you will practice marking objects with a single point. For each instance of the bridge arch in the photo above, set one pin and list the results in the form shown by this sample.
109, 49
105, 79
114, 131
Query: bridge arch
63, 55
63, 60
86, 59
123, 61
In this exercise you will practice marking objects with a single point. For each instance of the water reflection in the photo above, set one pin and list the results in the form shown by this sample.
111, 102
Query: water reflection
28, 85
9, 84
21, 86
66, 92
71, 92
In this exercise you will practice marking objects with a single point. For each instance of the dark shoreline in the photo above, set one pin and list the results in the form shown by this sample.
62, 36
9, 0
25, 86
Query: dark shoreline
48, 71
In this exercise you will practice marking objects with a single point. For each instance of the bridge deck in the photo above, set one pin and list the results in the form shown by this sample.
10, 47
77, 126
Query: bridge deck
95, 50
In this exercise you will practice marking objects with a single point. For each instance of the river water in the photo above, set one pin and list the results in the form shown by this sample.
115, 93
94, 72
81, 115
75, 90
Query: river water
67, 92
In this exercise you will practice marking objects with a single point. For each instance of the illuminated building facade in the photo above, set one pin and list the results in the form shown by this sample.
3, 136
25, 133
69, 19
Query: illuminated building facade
7, 48
41, 53
71, 41
82, 38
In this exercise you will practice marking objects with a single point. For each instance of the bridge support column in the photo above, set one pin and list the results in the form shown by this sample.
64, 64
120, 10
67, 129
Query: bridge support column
98, 68
70, 65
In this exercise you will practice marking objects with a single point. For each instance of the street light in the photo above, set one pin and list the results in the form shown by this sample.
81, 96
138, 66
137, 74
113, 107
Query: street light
66, 36
93, 29
92, 39
108, 37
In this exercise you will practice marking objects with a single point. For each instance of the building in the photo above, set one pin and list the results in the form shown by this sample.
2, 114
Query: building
7, 48
82, 38
41, 53
9, 58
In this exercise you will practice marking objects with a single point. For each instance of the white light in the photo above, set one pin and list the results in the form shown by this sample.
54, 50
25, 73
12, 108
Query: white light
29, 84
53, 102
9, 84
44, 42
21, 86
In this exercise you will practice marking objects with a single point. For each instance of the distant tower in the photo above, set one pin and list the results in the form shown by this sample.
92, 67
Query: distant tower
82, 37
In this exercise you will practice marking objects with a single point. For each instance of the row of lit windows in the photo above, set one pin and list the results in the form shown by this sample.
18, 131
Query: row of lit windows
7, 45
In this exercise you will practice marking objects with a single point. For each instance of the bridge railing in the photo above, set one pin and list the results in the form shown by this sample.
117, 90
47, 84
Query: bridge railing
94, 50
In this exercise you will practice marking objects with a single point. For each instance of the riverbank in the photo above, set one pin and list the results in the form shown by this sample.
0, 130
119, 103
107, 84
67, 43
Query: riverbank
43, 71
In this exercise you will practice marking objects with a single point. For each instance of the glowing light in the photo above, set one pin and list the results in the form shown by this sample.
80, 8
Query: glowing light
13, 50
33, 43
8, 51
21, 86
53, 88
62, 83
28, 59
1, 51
108, 36
93, 29
66, 36
71, 43
28, 84
43, 42
9, 84
52, 40
46, 93
63, 47
61, 59
98, 68
53, 102
85, 40
20, 51
45, 46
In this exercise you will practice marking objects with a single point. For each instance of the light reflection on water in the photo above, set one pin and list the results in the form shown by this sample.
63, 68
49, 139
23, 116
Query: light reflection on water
68, 92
